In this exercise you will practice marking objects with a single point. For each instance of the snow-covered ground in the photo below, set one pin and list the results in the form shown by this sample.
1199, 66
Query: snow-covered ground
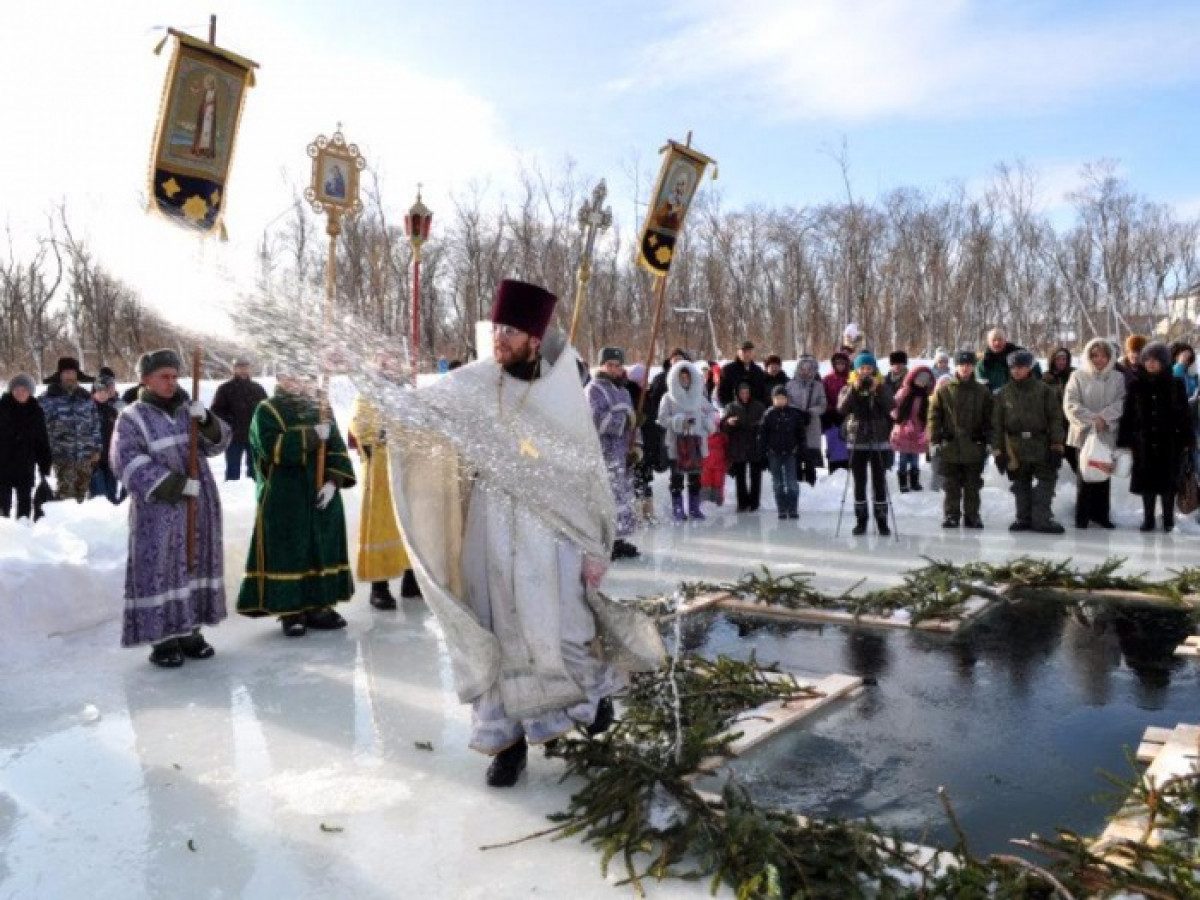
121, 780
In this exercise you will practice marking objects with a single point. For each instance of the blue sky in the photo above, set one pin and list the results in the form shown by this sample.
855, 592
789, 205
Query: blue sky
924, 92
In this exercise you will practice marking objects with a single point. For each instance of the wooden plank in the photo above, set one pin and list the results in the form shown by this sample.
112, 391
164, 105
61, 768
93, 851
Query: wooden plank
1147, 751
1157, 734
975, 608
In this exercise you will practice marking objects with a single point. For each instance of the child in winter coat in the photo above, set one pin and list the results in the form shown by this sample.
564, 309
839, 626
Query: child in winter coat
908, 436
686, 417
782, 437
713, 473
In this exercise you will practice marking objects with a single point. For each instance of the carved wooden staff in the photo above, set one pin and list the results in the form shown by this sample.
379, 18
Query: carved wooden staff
193, 466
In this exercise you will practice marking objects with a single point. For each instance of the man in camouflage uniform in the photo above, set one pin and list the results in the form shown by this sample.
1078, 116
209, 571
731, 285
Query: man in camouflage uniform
73, 424
1028, 432
960, 428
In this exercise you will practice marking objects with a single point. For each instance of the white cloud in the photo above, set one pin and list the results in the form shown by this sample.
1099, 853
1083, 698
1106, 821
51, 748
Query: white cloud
856, 60
80, 102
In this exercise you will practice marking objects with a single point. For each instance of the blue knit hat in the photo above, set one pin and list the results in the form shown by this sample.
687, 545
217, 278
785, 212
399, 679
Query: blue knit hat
865, 359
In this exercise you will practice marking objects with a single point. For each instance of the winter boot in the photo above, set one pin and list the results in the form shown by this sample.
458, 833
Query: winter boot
604, 717
1147, 512
1020, 525
973, 522
294, 625
622, 549
677, 512
194, 646
861, 518
914, 480
950, 521
325, 619
381, 595
507, 765
408, 585
167, 654
881, 519
1168, 508
694, 506
1049, 527
902, 477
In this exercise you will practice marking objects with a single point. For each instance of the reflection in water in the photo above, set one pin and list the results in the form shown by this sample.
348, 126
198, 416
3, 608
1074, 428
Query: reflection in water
1148, 638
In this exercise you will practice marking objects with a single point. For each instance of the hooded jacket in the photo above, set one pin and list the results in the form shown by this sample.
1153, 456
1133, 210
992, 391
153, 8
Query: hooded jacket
866, 413
1091, 394
685, 411
808, 394
912, 413
24, 443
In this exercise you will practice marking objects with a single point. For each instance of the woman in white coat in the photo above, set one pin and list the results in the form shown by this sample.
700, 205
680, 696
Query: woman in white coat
686, 417
1093, 402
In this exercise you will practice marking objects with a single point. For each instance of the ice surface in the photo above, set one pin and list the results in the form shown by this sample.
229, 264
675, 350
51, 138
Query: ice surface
109, 767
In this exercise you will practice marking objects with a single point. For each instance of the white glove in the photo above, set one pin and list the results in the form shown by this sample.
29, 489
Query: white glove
197, 410
326, 494
192, 488
323, 429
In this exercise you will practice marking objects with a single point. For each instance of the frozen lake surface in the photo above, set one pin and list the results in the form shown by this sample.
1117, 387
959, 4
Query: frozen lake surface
121, 780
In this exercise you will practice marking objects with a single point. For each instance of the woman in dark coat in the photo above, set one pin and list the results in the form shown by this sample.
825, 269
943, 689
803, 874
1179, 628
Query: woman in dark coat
1058, 373
24, 446
1157, 428
740, 422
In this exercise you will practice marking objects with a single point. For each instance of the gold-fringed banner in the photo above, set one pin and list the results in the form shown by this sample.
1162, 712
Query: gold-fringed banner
197, 128
678, 179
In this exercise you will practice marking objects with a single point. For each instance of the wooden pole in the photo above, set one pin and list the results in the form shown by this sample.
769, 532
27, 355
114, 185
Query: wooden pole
660, 296
193, 466
212, 29
333, 228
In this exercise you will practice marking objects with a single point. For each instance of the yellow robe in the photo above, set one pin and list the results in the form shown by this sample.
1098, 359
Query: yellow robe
381, 551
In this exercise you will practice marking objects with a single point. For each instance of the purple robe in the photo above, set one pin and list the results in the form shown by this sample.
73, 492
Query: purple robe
162, 599
612, 411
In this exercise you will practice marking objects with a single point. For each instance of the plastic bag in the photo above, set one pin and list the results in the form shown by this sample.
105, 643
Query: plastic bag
1096, 461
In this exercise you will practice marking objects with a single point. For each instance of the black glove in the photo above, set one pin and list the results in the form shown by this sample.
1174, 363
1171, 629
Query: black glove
1056, 459
1002, 462
805, 418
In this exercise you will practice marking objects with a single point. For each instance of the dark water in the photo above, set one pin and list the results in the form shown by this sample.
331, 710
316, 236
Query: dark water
1016, 718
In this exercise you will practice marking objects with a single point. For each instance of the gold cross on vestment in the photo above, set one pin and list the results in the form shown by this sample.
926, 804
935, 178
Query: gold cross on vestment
528, 449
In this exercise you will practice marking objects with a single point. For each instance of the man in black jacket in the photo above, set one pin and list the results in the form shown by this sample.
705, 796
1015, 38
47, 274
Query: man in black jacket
743, 370
234, 403
24, 446
104, 482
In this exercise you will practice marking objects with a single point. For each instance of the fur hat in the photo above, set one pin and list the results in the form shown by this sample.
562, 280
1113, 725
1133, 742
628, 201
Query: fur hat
159, 359
1020, 359
612, 354
1157, 350
21, 380
1136, 343
865, 359
69, 364
965, 358
898, 358
524, 306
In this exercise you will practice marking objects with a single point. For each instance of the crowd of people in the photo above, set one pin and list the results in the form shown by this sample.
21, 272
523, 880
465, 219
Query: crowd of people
508, 536
705, 424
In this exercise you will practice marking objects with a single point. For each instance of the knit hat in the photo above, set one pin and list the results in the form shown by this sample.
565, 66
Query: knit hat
159, 359
747, 345
1136, 343
1157, 350
612, 354
965, 358
104, 383
523, 306
1020, 359
21, 380
744, 386
851, 333
865, 359
779, 391
941, 353
241, 361
898, 358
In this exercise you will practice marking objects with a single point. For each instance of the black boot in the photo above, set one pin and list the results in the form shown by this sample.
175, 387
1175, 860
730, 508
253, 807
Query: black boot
902, 477
973, 522
604, 717
861, 518
914, 480
408, 585
1020, 525
167, 654
507, 765
194, 646
950, 521
1147, 512
381, 595
325, 619
622, 549
881, 519
294, 625
1168, 508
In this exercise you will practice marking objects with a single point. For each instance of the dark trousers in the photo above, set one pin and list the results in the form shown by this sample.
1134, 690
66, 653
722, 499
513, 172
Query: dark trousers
643, 480
1092, 501
233, 460
783, 480
860, 462
677, 479
24, 500
961, 483
104, 484
1168, 507
748, 476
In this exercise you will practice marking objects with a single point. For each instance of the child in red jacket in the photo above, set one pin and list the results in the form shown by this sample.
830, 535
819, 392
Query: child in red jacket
712, 474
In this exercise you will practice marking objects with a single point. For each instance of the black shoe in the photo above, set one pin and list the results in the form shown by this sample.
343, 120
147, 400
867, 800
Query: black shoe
794, 515
408, 585
167, 654
381, 596
902, 480
294, 625
194, 646
1147, 525
1106, 523
507, 765
914, 481
622, 549
1020, 526
325, 619
859, 529
882, 525
973, 522
950, 522
1081, 524
604, 717
783, 517
1050, 527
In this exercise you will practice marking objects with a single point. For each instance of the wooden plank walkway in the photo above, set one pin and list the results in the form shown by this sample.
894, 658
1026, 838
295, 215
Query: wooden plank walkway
1190, 648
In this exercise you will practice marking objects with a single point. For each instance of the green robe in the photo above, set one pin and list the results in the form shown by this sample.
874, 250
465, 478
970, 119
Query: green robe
299, 559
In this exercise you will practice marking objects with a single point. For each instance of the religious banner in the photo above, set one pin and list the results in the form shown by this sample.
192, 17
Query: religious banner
678, 179
197, 127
